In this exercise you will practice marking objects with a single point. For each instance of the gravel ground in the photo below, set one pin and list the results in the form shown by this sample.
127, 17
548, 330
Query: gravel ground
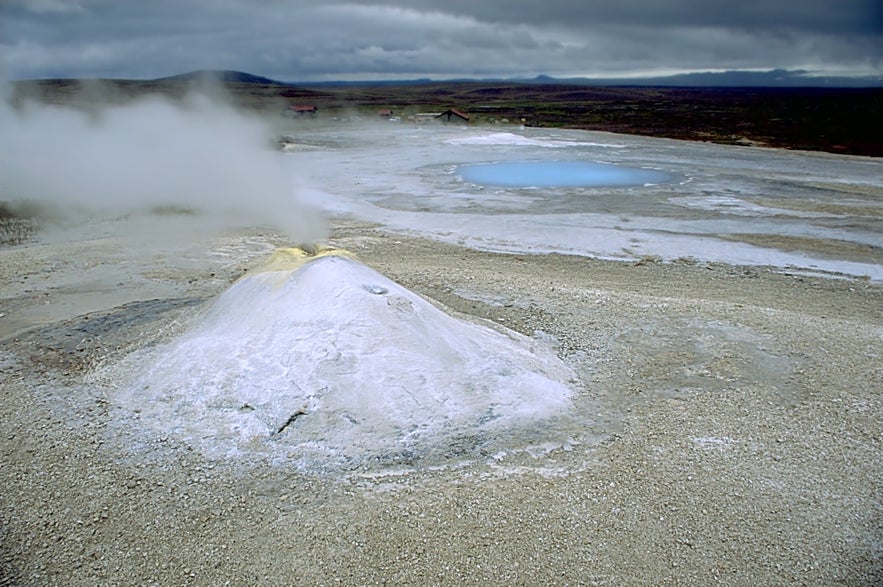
735, 435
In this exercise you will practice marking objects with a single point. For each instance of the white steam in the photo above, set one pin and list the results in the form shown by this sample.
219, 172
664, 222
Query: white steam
196, 156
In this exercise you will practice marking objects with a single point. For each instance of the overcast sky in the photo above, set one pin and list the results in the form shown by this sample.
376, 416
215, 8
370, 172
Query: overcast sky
317, 40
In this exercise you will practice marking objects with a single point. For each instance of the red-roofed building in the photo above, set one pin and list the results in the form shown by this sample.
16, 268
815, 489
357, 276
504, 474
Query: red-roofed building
448, 114
302, 110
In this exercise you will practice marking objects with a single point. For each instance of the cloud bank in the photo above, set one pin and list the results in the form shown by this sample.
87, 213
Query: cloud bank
296, 40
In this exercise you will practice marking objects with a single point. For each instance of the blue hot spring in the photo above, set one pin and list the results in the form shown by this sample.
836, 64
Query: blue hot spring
559, 174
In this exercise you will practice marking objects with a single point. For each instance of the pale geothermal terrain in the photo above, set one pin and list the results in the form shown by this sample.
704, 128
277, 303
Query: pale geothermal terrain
673, 377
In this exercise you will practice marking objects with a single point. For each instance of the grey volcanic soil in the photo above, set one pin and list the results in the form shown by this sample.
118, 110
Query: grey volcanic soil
738, 432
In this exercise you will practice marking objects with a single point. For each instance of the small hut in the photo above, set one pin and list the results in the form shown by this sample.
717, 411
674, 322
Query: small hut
302, 110
456, 115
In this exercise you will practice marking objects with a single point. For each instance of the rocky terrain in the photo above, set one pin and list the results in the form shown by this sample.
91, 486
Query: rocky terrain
732, 431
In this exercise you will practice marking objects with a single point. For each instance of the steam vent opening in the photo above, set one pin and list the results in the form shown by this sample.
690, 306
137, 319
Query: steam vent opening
559, 174
324, 363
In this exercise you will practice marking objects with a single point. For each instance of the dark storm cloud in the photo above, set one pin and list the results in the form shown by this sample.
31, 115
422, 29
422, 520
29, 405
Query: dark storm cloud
299, 40
819, 16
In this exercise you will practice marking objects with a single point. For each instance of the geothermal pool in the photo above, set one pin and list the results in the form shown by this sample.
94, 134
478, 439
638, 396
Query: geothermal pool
798, 212
559, 174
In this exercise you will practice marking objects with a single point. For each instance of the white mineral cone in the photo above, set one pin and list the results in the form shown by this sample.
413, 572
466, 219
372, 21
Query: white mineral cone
332, 363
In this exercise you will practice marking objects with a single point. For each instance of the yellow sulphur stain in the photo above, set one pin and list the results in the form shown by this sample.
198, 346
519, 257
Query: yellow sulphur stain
286, 260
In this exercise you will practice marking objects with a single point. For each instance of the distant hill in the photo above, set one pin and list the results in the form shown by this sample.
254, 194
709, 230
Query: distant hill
775, 78
223, 76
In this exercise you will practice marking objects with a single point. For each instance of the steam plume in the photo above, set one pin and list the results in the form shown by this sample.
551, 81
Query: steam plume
196, 155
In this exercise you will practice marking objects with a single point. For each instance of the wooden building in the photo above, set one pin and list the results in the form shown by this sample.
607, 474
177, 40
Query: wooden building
454, 115
301, 110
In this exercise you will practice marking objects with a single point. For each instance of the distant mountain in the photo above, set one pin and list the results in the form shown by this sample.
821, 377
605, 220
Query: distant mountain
375, 83
775, 78
223, 76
